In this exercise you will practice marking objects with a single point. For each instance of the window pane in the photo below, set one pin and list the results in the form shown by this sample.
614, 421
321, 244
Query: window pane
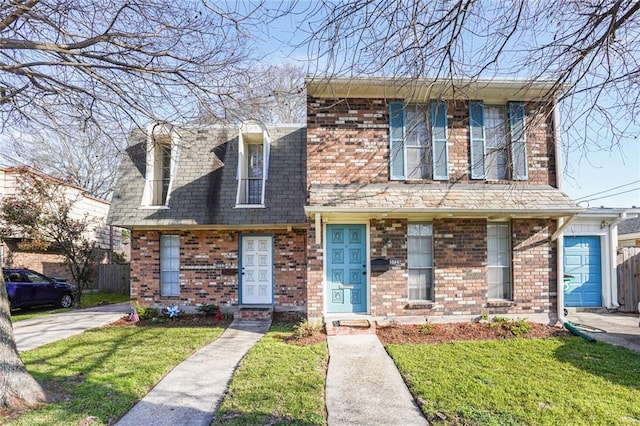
498, 261
495, 121
420, 284
170, 265
420, 260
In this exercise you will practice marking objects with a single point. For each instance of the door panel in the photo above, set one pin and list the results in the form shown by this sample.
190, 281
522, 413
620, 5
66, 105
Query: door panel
257, 270
346, 268
582, 260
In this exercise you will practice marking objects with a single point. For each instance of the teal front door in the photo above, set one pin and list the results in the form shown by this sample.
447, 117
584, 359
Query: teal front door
346, 270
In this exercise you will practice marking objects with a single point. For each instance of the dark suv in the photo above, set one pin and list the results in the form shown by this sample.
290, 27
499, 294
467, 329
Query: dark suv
29, 288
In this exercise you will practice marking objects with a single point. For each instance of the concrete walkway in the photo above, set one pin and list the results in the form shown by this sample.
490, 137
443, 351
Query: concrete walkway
364, 386
191, 392
620, 329
36, 332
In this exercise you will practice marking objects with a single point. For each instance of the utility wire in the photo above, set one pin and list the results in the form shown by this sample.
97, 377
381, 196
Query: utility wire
611, 195
607, 190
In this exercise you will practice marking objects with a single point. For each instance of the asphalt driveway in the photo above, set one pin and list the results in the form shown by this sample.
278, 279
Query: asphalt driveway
36, 332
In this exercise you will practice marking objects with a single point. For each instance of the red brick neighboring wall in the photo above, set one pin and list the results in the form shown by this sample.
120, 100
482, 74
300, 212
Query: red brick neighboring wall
209, 268
460, 259
348, 142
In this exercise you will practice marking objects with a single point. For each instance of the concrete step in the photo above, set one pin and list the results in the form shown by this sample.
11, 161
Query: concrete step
254, 312
349, 327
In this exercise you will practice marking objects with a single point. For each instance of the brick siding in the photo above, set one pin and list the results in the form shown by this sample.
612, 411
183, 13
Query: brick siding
348, 142
460, 270
209, 268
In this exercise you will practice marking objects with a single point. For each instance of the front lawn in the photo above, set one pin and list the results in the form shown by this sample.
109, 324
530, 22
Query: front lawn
104, 372
523, 381
277, 384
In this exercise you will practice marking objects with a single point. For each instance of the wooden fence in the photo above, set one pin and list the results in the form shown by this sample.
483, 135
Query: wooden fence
114, 278
629, 278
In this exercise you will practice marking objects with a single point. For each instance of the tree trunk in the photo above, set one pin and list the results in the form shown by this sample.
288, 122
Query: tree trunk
18, 390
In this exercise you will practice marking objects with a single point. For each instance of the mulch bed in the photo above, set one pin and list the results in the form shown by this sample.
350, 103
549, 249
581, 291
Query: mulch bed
441, 333
182, 320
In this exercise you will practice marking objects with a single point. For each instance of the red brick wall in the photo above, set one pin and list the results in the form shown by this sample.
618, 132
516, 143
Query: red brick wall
348, 142
209, 268
460, 258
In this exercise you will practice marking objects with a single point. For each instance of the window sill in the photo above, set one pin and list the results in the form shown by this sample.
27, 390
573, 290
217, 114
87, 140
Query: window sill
500, 304
250, 206
154, 207
419, 305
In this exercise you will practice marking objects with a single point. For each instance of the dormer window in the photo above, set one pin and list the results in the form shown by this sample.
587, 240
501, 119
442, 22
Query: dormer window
253, 164
162, 161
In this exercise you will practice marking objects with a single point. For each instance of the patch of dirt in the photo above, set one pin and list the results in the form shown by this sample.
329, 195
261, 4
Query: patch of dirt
442, 333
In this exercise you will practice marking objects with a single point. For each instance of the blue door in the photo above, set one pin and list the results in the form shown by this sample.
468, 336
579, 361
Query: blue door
582, 260
346, 273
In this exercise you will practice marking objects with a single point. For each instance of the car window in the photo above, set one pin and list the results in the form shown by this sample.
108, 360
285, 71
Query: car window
35, 277
14, 277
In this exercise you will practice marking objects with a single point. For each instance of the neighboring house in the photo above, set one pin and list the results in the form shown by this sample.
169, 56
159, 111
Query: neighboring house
398, 200
13, 253
629, 232
216, 215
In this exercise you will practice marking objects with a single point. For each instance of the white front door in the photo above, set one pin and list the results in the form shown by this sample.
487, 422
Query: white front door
256, 277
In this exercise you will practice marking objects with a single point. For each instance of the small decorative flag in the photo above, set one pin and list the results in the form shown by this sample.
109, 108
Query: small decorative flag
134, 318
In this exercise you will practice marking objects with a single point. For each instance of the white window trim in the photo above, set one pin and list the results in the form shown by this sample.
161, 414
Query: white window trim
166, 133
162, 270
253, 128
510, 261
431, 268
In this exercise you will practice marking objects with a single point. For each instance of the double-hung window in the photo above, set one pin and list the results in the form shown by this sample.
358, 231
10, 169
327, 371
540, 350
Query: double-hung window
498, 144
169, 265
163, 148
498, 261
420, 260
253, 164
418, 141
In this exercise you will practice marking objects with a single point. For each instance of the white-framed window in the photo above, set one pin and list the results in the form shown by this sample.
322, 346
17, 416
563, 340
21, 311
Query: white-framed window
499, 261
161, 165
418, 141
420, 260
169, 265
498, 141
253, 164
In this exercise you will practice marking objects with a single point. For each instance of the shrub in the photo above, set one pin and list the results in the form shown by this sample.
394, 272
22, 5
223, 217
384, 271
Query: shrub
516, 327
208, 309
426, 328
146, 313
306, 328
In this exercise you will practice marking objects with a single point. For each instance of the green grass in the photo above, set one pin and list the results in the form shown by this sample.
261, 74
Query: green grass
555, 381
277, 384
104, 372
89, 300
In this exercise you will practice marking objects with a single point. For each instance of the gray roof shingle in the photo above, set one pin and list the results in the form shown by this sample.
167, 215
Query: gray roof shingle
397, 196
629, 226
204, 188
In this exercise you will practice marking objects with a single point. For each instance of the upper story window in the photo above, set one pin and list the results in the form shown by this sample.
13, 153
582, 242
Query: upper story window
418, 141
162, 160
498, 144
253, 164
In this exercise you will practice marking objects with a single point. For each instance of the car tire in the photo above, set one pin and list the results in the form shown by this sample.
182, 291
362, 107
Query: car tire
66, 301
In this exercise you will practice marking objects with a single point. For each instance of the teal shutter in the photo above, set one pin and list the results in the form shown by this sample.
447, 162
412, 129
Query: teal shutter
476, 132
396, 141
439, 140
518, 140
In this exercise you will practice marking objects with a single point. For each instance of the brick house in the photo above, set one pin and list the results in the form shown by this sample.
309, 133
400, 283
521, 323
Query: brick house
398, 200
216, 215
425, 204
13, 251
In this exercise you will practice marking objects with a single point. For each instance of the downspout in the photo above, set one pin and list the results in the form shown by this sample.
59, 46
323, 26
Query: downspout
559, 236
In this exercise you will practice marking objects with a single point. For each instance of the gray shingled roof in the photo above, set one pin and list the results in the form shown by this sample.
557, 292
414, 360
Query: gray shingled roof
629, 226
481, 197
204, 188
